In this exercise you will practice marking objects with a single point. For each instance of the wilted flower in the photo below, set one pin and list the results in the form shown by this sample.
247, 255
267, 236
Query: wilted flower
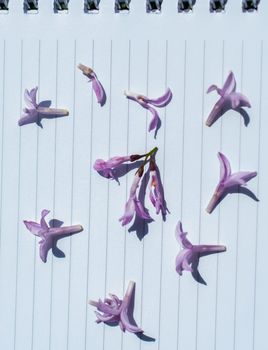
96, 85
228, 181
133, 204
186, 256
49, 235
156, 193
34, 112
147, 103
113, 310
230, 99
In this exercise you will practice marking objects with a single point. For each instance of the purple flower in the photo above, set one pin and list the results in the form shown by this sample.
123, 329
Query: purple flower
229, 99
187, 255
96, 85
228, 181
133, 204
148, 103
49, 235
156, 193
113, 310
34, 112
105, 168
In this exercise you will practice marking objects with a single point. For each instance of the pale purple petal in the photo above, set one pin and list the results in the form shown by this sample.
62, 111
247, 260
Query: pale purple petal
225, 167
161, 101
229, 85
155, 120
217, 111
28, 99
181, 237
31, 116
45, 245
126, 323
43, 223
33, 94
140, 210
182, 261
238, 100
98, 89
33, 227
212, 88
129, 212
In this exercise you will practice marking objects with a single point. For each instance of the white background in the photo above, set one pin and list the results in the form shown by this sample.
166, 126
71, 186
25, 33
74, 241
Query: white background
44, 306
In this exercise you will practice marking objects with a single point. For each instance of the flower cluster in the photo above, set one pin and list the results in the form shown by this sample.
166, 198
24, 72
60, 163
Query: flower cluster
134, 205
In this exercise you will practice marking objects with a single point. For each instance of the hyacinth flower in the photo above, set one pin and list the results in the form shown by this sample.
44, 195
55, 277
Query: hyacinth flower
229, 99
107, 168
116, 311
190, 252
134, 205
228, 181
156, 192
96, 85
49, 235
149, 104
35, 112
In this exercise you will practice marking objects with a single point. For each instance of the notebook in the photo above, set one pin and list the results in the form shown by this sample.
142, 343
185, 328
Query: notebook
45, 305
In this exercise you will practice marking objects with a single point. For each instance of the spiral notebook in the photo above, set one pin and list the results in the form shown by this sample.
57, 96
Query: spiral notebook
143, 49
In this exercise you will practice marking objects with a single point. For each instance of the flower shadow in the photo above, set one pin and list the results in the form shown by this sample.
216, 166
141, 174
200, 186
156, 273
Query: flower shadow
238, 190
194, 264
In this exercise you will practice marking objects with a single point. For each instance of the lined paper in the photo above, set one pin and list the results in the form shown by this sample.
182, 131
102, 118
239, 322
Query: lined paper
45, 306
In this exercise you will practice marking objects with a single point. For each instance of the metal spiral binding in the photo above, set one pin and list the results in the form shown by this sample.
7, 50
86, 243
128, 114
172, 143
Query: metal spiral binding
217, 5
186, 5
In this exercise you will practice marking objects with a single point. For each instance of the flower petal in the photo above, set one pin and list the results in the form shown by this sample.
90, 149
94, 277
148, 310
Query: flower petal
161, 101
140, 210
33, 227
225, 167
239, 100
43, 223
45, 245
217, 111
181, 237
229, 85
129, 212
182, 261
155, 120
124, 318
98, 89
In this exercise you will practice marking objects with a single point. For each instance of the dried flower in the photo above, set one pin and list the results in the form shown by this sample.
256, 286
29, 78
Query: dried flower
228, 181
147, 103
49, 235
96, 85
34, 112
229, 99
186, 256
113, 310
